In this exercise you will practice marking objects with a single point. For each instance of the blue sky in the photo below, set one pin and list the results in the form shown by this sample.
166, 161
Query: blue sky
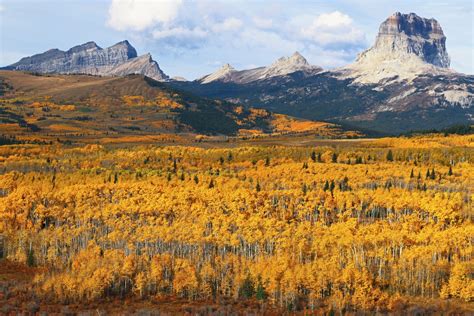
192, 38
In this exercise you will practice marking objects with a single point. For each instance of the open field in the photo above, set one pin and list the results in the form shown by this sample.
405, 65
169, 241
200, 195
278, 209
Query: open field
306, 226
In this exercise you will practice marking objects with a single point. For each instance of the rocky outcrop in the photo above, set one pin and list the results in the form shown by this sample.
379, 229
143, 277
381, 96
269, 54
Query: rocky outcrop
222, 74
119, 59
143, 65
406, 46
411, 34
281, 67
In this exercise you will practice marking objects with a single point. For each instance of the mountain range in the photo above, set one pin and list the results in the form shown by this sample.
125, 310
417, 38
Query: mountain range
281, 67
118, 60
402, 83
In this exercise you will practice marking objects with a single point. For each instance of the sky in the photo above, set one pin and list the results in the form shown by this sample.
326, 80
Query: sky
193, 38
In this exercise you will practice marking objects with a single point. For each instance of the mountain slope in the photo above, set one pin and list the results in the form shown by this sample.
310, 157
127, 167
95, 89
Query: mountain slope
88, 106
119, 59
402, 83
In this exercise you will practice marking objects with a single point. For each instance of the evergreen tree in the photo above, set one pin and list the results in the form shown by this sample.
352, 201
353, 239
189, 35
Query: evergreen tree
260, 293
304, 188
247, 289
450, 172
334, 157
313, 156
211, 184
196, 179
319, 158
257, 187
412, 175
433, 174
267, 161
332, 186
326, 186
175, 166
389, 155
30, 257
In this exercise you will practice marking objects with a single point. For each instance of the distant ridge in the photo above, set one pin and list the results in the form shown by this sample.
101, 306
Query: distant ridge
281, 67
117, 60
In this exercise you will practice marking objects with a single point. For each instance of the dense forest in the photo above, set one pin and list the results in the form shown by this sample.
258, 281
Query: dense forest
377, 226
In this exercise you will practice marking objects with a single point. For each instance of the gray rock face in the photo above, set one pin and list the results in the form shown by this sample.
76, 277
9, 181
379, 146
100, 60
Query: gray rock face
117, 60
412, 34
406, 46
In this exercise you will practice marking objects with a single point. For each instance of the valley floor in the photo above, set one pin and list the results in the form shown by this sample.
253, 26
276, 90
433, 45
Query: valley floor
263, 226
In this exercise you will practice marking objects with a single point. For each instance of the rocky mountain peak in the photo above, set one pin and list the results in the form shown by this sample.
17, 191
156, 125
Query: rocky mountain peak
223, 73
84, 47
297, 58
227, 67
412, 25
287, 65
281, 67
126, 47
142, 65
294, 60
406, 45
88, 58
411, 34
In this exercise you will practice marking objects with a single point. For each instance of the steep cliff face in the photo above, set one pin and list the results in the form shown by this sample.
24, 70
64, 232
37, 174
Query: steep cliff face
411, 34
119, 59
406, 46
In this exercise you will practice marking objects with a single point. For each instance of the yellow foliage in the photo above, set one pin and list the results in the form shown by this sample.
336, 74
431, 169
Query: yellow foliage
349, 228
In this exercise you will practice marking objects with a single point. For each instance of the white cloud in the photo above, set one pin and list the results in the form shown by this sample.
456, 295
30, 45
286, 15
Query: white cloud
138, 15
210, 27
332, 28
333, 20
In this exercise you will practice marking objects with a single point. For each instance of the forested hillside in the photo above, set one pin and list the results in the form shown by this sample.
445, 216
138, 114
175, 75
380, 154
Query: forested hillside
80, 108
